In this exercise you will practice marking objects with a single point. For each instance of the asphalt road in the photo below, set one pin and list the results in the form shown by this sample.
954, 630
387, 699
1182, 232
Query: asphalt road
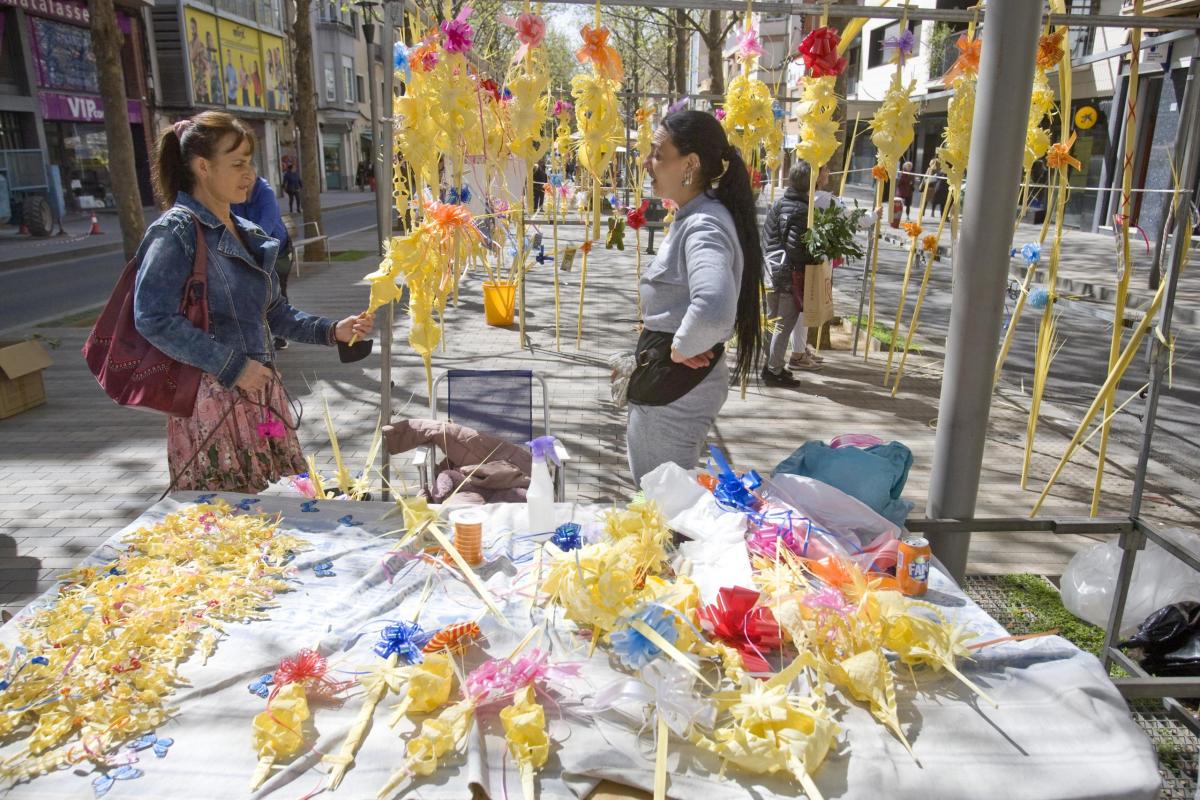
33, 294
1078, 370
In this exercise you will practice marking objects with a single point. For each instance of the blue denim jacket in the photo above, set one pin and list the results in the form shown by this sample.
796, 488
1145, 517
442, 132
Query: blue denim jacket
245, 308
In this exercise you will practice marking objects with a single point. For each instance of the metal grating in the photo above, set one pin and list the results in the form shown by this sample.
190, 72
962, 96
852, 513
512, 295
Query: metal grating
988, 592
1177, 746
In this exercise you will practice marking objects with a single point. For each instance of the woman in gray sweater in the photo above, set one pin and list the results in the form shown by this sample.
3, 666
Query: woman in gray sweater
701, 289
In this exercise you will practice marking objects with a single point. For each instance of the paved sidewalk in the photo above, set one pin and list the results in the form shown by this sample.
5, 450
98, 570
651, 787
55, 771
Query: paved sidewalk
79, 468
17, 250
1087, 269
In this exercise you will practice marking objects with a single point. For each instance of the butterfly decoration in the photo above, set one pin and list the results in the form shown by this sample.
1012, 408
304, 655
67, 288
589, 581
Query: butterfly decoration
309, 505
146, 741
245, 504
324, 569
102, 783
205, 498
348, 520
262, 686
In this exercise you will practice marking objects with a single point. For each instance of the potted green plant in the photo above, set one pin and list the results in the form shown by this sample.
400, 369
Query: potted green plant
830, 237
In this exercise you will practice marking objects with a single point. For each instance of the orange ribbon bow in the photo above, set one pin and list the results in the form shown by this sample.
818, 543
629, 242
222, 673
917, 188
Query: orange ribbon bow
1050, 49
597, 50
967, 62
1060, 155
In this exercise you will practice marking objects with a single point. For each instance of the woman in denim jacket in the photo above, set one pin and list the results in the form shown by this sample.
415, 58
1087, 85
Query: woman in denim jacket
241, 435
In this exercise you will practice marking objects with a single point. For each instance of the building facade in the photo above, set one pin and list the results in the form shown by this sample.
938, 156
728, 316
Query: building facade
344, 64
1099, 86
229, 55
52, 138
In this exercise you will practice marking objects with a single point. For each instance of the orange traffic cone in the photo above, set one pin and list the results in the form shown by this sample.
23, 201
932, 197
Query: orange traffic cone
95, 231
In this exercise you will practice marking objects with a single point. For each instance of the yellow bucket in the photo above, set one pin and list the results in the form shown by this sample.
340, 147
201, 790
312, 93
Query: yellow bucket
499, 301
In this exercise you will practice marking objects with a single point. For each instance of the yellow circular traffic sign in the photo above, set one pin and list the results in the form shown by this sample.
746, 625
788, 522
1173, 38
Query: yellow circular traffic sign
1086, 117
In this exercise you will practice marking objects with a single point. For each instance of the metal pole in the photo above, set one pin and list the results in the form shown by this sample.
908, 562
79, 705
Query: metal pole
1110, 175
1187, 120
1160, 359
381, 140
1005, 85
862, 297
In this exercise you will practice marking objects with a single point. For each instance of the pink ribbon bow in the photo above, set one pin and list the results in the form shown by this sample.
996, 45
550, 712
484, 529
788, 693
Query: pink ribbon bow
530, 28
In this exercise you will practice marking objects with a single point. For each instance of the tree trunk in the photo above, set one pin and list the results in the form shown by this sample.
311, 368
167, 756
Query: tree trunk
716, 56
680, 66
306, 124
106, 43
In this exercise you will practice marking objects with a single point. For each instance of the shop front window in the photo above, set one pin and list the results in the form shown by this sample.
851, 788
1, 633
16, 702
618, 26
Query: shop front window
332, 155
1091, 144
81, 152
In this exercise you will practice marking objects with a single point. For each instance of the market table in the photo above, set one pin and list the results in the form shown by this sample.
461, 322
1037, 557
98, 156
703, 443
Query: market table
1061, 729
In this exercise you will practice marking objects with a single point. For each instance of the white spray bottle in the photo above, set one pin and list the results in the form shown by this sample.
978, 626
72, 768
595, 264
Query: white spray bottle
539, 498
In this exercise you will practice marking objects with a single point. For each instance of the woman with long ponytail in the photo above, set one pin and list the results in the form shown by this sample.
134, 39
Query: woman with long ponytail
241, 435
701, 290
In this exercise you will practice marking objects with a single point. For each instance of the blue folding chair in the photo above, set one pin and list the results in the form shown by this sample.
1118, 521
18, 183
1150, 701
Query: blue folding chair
497, 402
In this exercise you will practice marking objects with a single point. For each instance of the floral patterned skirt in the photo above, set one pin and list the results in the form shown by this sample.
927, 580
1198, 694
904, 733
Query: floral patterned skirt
236, 457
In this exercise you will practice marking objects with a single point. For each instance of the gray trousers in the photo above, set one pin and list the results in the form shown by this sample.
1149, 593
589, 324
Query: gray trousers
675, 432
783, 306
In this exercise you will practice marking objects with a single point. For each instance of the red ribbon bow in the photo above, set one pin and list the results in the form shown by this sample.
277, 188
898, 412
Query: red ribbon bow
636, 218
736, 621
820, 53
310, 667
491, 87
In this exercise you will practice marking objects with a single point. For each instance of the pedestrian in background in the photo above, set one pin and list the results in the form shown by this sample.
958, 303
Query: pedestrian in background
291, 187
905, 183
262, 209
786, 256
539, 185
937, 188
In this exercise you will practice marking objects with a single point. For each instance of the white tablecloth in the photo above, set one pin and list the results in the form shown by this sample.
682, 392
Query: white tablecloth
1062, 729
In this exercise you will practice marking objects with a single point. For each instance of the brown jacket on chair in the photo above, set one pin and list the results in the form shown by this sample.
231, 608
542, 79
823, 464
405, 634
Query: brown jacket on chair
499, 470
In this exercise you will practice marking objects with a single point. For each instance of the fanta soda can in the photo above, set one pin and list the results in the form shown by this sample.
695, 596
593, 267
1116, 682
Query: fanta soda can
912, 565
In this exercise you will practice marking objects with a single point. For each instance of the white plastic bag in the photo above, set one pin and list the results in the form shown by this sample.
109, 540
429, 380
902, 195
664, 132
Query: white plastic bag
1159, 579
672, 487
829, 507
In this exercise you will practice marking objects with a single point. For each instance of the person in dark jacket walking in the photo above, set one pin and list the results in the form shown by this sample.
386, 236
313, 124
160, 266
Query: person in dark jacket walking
262, 209
539, 185
937, 187
786, 256
291, 187
905, 183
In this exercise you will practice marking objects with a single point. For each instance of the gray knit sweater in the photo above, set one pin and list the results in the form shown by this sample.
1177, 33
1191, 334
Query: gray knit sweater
691, 287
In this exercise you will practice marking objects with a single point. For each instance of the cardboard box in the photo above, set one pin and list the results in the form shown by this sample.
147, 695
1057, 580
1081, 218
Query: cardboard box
21, 387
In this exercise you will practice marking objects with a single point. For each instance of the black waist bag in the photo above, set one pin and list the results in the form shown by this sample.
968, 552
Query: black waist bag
659, 381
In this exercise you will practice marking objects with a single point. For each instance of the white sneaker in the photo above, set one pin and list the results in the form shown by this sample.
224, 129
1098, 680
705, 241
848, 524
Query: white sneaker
812, 354
804, 361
